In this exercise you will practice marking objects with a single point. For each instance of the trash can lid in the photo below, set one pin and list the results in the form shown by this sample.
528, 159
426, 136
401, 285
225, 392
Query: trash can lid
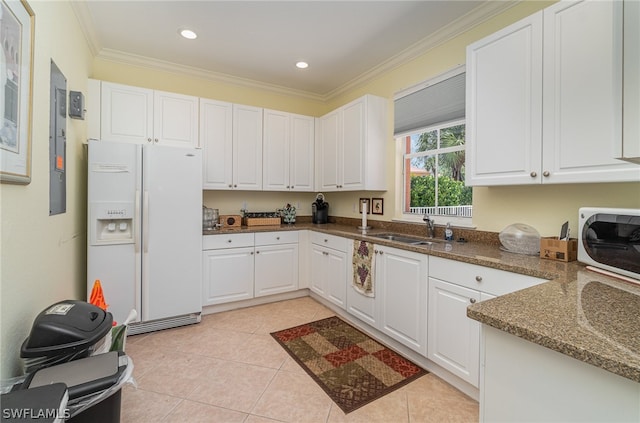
65, 327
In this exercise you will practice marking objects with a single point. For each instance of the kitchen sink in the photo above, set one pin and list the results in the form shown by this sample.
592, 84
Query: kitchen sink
404, 239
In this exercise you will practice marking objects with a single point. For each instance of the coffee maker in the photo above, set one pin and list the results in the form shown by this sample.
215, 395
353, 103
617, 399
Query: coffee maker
320, 210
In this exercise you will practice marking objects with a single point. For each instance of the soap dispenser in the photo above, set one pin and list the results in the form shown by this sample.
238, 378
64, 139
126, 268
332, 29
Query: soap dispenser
448, 232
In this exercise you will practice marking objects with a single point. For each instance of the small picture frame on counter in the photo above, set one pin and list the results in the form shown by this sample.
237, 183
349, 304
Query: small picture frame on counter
362, 202
377, 205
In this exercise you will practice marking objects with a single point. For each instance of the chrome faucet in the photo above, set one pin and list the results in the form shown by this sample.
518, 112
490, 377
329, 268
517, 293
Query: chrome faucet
430, 226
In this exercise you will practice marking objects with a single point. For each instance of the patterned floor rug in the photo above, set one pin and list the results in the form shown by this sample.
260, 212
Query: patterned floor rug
352, 368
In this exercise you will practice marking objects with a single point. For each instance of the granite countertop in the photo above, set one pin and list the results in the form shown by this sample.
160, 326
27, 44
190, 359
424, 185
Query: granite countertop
579, 313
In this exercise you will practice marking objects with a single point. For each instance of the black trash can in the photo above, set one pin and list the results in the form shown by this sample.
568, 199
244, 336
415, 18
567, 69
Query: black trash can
94, 385
63, 332
59, 349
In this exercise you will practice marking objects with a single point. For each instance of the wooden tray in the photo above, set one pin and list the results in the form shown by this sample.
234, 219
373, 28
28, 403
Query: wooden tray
261, 221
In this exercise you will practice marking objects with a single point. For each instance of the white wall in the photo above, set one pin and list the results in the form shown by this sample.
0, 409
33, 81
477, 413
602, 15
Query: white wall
43, 257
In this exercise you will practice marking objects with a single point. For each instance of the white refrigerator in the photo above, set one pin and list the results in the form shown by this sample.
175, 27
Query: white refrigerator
145, 232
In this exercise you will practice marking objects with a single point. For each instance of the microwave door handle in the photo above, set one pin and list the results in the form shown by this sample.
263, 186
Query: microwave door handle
606, 245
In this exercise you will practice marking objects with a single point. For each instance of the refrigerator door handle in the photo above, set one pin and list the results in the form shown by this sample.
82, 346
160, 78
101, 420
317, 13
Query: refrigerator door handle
145, 226
136, 229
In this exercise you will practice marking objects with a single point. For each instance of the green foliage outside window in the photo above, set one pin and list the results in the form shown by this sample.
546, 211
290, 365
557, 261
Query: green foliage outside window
450, 192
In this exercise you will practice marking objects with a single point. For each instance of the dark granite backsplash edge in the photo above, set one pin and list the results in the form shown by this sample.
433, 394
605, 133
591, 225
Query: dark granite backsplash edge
470, 235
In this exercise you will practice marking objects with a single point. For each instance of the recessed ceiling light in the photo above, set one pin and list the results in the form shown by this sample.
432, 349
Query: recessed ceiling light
302, 65
188, 34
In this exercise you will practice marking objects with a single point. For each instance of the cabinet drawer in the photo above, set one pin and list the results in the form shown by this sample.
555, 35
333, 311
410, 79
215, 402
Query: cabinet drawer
275, 238
331, 241
480, 278
215, 242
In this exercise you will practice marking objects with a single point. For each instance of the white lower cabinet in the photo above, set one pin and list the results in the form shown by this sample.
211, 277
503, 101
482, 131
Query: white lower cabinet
329, 267
401, 293
243, 266
361, 306
453, 338
227, 268
276, 263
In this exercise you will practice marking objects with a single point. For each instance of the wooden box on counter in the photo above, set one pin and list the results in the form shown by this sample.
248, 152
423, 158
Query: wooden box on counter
554, 249
261, 221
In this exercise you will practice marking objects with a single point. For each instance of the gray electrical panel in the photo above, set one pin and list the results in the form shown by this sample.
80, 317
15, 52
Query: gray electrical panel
57, 142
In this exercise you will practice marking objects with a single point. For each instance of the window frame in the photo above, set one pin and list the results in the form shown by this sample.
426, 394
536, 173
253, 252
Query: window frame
400, 214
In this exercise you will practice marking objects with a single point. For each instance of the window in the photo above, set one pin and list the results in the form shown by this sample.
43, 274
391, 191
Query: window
434, 171
430, 132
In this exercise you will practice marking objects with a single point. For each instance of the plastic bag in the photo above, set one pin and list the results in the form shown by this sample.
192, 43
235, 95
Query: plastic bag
119, 333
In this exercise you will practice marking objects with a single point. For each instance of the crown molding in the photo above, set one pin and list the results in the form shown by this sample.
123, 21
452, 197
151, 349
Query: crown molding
85, 21
155, 64
477, 16
463, 24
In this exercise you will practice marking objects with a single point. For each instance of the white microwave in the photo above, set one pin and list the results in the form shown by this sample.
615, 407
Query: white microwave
609, 239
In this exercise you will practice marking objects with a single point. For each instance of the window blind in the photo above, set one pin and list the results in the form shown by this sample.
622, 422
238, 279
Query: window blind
439, 102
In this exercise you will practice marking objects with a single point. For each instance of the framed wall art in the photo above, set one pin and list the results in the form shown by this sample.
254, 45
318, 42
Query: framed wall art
377, 205
16, 81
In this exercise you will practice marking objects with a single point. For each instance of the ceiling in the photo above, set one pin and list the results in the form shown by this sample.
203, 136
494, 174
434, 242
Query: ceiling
259, 42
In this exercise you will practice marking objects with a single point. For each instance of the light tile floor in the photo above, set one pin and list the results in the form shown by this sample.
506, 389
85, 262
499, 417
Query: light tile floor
229, 369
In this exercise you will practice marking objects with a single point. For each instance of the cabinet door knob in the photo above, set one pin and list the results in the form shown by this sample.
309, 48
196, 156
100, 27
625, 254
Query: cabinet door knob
545, 173
156, 140
229, 241
381, 252
252, 253
326, 240
230, 186
478, 278
292, 187
533, 174
472, 300
278, 238
148, 139
257, 252
235, 185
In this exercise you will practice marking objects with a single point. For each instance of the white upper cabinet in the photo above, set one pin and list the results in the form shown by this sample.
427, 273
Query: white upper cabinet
504, 105
350, 151
288, 142
231, 139
629, 147
216, 129
328, 161
175, 119
247, 147
544, 99
582, 91
139, 115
